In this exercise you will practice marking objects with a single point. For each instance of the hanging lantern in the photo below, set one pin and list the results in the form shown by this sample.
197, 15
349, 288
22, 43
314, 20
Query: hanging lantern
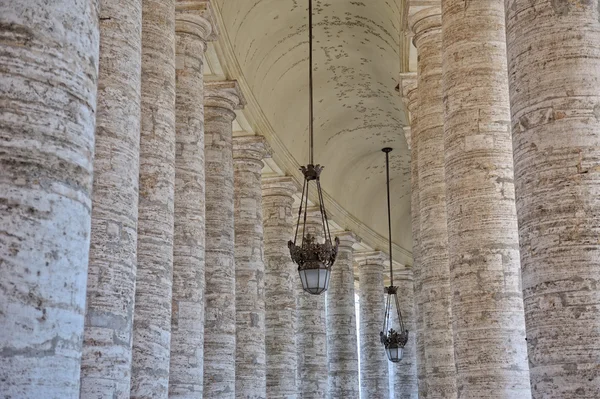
314, 259
393, 339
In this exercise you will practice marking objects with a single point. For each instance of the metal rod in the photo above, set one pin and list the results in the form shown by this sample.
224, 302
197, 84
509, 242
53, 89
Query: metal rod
310, 82
387, 151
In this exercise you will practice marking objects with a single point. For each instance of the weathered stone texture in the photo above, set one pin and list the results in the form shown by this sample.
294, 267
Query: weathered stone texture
193, 28
49, 58
404, 374
487, 306
152, 315
281, 281
433, 234
312, 328
410, 93
106, 359
374, 375
220, 100
342, 339
554, 74
250, 361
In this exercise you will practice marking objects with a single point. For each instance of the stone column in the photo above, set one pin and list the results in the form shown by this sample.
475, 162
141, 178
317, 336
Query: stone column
410, 94
220, 101
106, 359
312, 329
374, 381
341, 323
487, 305
405, 373
250, 362
281, 280
433, 235
152, 317
193, 28
554, 72
49, 58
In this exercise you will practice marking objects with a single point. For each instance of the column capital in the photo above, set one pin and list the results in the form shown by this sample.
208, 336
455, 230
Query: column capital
425, 22
347, 239
224, 94
252, 148
280, 186
196, 17
371, 258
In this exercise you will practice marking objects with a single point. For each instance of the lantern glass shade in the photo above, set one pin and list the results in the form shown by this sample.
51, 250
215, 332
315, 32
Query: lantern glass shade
315, 281
394, 354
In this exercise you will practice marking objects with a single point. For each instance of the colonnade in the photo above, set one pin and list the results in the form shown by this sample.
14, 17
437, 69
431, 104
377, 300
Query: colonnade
178, 243
504, 143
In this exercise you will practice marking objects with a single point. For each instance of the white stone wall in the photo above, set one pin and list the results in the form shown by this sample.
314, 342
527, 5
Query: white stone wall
48, 84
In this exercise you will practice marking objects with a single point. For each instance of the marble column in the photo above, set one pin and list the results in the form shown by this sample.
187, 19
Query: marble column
554, 75
433, 235
281, 280
49, 58
312, 328
106, 359
193, 28
220, 101
374, 380
405, 373
342, 339
152, 314
487, 304
250, 361
410, 91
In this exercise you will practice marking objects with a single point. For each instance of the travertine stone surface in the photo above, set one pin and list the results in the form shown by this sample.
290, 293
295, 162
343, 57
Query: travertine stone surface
554, 65
374, 380
410, 93
250, 362
281, 280
433, 234
220, 100
192, 28
312, 327
49, 58
487, 305
106, 359
405, 373
152, 314
342, 339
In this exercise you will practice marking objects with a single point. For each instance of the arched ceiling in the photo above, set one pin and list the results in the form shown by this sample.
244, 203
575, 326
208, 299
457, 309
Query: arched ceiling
357, 109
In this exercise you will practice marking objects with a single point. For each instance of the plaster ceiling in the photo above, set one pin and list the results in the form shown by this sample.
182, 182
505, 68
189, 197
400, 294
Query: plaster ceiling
357, 110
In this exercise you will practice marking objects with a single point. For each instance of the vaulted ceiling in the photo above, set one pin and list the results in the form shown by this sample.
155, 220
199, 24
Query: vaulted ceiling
357, 60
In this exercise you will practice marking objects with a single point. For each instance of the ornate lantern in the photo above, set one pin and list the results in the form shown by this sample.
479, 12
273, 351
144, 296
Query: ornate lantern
393, 339
314, 259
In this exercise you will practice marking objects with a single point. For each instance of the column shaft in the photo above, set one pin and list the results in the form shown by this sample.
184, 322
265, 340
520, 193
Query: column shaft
220, 100
250, 363
554, 72
281, 280
374, 375
405, 373
49, 58
193, 28
341, 324
152, 315
106, 359
487, 306
433, 235
312, 329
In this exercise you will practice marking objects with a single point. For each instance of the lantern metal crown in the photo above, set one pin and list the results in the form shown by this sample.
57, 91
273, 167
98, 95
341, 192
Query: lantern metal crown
393, 340
314, 259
